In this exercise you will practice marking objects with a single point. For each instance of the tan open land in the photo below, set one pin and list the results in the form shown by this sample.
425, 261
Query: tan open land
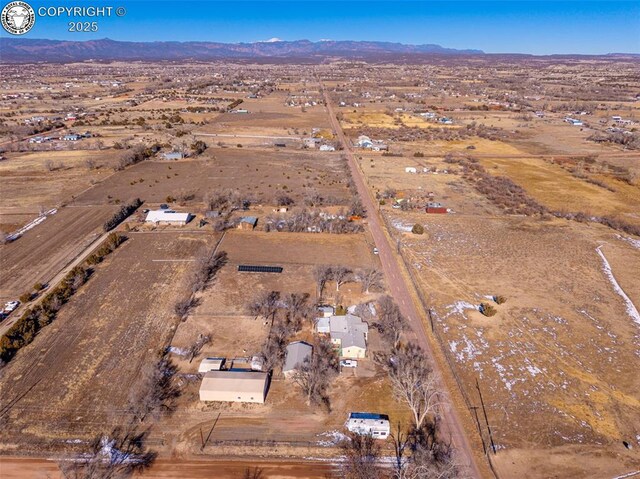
43, 251
61, 387
556, 365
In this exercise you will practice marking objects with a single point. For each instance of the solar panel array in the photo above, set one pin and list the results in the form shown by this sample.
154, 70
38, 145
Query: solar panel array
245, 268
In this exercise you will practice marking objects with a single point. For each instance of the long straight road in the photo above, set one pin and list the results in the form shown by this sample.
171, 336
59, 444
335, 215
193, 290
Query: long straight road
401, 290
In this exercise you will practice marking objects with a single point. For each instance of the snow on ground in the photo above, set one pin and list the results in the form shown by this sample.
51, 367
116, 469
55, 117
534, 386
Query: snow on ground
633, 242
333, 438
458, 308
631, 308
401, 226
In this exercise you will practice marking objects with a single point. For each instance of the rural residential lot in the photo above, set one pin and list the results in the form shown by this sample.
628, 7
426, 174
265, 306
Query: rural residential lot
499, 196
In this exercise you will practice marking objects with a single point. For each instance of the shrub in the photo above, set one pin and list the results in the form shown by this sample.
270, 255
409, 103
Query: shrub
487, 309
38, 286
500, 299
417, 229
25, 298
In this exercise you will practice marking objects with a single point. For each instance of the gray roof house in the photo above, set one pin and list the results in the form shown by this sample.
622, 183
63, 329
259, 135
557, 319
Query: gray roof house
297, 352
348, 332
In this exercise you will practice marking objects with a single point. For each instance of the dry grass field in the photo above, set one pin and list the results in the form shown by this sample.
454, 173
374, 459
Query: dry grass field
258, 173
46, 179
43, 251
63, 386
556, 364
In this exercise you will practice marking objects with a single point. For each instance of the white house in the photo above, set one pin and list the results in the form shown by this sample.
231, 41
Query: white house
364, 142
410, 169
327, 148
168, 217
349, 333
297, 352
368, 423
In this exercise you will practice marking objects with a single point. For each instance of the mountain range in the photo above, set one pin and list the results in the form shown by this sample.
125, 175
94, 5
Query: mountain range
23, 50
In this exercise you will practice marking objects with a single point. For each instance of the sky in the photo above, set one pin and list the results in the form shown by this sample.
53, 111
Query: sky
516, 26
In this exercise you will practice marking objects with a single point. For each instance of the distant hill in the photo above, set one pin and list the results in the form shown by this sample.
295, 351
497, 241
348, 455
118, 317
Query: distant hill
23, 50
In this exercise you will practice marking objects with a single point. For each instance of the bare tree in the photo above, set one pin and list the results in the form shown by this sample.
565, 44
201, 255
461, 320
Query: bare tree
432, 460
90, 163
362, 455
322, 274
184, 306
297, 308
341, 275
265, 305
369, 278
198, 344
208, 263
390, 321
253, 473
49, 165
116, 455
275, 346
155, 391
314, 375
414, 382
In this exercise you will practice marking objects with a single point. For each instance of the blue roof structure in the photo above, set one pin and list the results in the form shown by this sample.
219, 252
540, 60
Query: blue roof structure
367, 415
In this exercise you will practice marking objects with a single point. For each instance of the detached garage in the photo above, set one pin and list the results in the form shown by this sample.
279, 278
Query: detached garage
234, 386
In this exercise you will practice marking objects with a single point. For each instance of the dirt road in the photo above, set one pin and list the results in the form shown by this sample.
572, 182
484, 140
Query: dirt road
27, 467
400, 290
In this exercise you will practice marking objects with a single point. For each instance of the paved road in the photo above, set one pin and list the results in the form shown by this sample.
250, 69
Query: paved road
400, 290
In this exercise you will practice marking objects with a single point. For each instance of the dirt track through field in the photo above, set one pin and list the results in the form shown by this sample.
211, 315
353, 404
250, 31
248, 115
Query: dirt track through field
400, 291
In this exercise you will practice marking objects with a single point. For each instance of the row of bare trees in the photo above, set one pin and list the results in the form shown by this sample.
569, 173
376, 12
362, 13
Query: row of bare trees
207, 264
370, 278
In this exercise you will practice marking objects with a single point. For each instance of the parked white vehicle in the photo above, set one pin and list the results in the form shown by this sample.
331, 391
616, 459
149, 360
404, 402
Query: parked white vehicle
11, 306
349, 363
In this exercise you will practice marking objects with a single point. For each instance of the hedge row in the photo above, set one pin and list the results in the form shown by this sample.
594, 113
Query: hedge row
36, 318
122, 214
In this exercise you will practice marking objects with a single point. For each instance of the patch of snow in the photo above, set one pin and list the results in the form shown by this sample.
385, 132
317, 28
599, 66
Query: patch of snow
333, 438
458, 308
399, 225
632, 311
178, 351
633, 242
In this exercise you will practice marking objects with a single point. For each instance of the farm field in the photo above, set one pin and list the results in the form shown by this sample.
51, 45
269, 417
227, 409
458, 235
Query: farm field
253, 172
61, 387
46, 249
46, 179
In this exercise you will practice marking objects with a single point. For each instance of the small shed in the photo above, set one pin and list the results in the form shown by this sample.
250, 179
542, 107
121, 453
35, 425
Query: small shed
211, 364
173, 155
247, 223
297, 352
440, 210
410, 169
234, 386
